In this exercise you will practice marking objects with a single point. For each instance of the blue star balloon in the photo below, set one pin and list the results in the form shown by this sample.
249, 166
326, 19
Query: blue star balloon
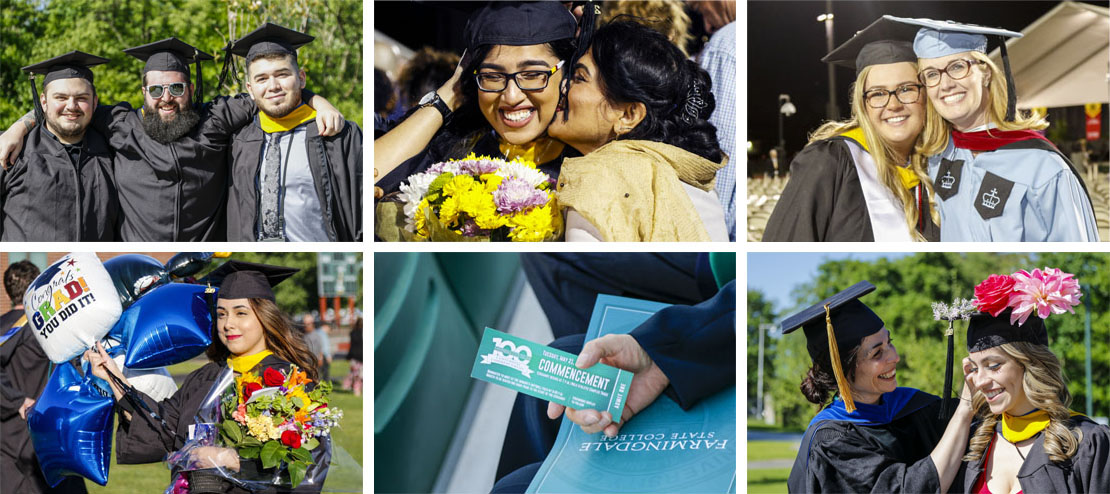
135, 274
170, 324
71, 428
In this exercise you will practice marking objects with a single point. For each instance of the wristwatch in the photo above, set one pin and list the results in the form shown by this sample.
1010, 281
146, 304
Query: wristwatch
433, 99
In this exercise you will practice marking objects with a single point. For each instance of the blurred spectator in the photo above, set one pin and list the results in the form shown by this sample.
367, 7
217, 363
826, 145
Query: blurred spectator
353, 381
424, 73
325, 356
385, 100
315, 344
719, 60
666, 16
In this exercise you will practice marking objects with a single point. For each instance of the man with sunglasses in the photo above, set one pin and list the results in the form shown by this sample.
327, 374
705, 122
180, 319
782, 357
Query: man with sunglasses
171, 155
61, 189
285, 175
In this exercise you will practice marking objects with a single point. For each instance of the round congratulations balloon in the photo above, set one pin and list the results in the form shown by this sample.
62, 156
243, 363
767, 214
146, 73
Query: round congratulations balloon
155, 383
168, 325
71, 305
135, 274
71, 428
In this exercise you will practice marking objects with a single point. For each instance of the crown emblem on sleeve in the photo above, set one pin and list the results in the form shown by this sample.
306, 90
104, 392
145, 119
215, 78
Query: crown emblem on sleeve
947, 181
991, 199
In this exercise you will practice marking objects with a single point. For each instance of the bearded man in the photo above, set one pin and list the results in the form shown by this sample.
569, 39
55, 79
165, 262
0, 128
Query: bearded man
61, 189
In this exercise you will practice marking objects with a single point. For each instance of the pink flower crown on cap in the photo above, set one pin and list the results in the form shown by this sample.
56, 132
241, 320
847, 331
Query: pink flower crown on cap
1050, 291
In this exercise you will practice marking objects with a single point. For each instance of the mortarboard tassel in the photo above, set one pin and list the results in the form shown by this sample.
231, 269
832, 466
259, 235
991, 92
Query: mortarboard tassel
198, 97
586, 27
40, 116
228, 63
1011, 89
838, 372
947, 372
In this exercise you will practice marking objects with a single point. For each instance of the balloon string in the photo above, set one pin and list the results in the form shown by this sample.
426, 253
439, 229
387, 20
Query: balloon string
132, 397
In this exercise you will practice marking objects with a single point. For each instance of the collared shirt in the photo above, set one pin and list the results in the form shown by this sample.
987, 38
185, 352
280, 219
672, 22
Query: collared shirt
299, 204
1019, 193
719, 60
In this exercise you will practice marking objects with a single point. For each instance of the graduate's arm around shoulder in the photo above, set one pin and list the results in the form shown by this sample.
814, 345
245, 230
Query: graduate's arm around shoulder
805, 209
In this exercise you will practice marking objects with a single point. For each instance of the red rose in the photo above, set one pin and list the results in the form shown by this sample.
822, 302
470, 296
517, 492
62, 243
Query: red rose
272, 377
249, 389
993, 294
291, 439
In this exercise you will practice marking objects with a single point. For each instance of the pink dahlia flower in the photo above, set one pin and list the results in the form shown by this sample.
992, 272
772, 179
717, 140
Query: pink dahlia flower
1051, 291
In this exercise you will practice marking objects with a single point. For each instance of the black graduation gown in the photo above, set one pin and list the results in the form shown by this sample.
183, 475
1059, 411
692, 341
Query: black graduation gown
839, 456
173, 192
824, 201
336, 165
45, 197
1086, 472
25, 370
145, 441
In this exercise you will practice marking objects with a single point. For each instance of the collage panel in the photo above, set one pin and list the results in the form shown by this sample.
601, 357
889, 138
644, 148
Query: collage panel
478, 357
928, 121
222, 120
181, 372
585, 121
855, 363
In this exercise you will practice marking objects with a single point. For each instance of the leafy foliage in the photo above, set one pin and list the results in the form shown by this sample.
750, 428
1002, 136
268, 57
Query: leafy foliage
36, 30
905, 288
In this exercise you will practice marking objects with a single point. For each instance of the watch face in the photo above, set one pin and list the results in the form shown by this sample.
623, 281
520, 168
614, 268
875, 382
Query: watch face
428, 98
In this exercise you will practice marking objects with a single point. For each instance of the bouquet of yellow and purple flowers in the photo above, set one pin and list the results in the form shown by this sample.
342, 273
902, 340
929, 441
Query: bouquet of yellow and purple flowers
277, 418
479, 198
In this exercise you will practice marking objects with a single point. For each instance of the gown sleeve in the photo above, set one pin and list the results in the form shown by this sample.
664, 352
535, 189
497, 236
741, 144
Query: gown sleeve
143, 439
823, 200
842, 459
1092, 458
1064, 208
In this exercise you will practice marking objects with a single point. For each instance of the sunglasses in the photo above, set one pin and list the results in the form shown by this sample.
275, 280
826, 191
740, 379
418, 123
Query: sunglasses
156, 90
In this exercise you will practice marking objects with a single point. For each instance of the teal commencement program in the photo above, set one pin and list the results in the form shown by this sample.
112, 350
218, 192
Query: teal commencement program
574, 374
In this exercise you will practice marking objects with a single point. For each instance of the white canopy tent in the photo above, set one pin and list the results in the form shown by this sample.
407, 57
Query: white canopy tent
1063, 59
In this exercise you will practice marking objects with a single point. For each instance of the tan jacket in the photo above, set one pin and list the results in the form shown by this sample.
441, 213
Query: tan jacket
633, 191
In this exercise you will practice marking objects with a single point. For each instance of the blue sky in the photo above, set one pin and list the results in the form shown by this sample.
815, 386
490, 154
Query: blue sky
777, 273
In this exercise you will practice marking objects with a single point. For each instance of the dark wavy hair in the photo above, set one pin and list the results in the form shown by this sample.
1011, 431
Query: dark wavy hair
637, 64
467, 124
279, 335
820, 383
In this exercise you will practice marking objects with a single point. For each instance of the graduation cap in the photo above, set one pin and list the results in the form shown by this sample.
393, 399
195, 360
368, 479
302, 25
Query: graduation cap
985, 331
172, 55
884, 41
267, 39
241, 279
840, 321
942, 38
72, 65
519, 24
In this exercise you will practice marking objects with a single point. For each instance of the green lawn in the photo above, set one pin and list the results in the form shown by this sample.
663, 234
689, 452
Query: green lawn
154, 477
771, 450
767, 480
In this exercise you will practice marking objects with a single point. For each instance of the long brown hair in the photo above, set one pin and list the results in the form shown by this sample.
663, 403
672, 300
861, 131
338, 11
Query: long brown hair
278, 333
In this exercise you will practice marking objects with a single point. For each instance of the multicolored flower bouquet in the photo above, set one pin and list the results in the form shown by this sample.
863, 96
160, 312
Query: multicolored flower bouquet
277, 419
1046, 292
479, 198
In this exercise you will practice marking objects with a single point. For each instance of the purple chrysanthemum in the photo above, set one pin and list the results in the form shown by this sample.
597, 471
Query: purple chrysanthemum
515, 195
469, 228
479, 166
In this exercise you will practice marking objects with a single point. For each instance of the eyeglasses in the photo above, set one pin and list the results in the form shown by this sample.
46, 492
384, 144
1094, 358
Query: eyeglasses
526, 80
956, 69
906, 94
156, 90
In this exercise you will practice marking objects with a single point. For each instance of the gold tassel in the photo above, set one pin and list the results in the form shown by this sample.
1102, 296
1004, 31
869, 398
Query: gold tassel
834, 355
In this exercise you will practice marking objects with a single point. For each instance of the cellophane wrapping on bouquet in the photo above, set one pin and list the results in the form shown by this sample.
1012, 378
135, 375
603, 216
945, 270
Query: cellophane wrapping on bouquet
262, 430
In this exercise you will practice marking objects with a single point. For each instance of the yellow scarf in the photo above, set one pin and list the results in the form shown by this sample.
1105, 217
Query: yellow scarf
908, 177
538, 148
1020, 428
245, 363
298, 116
